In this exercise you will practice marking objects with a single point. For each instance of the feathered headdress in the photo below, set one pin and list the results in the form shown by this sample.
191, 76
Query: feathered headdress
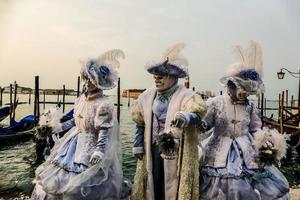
172, 63
102, 72
247, 71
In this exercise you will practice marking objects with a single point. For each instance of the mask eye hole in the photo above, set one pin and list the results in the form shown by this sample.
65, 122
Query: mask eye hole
157, 77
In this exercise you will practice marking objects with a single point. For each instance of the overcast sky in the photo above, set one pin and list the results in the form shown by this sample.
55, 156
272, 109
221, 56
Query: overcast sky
49, 38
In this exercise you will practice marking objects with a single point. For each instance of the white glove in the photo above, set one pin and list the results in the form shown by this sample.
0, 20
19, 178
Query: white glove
96, 157
181, 120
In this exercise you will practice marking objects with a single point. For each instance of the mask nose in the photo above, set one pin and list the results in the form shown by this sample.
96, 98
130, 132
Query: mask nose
157, 77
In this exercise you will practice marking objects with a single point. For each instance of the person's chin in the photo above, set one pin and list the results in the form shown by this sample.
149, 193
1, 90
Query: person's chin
159, 87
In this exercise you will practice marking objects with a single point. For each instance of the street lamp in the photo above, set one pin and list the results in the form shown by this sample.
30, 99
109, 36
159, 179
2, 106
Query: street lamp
280, 75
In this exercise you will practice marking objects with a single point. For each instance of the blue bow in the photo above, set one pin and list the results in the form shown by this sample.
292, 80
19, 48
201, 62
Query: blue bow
249, 74
104, 70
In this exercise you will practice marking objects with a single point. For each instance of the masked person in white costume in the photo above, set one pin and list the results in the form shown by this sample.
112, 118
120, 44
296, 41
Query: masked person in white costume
231, 168
168, 106
84, 163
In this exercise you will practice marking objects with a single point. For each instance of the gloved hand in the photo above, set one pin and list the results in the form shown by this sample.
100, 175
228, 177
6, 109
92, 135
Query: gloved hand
139, 156
96, 157
268, 148
181, 120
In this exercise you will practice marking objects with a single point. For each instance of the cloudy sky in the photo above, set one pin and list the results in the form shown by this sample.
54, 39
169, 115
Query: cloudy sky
50, 38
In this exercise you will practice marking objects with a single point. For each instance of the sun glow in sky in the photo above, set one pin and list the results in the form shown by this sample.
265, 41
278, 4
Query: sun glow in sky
50, 38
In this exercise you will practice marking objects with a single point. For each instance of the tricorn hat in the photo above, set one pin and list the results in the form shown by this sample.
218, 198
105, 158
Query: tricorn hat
172, 63
102, 72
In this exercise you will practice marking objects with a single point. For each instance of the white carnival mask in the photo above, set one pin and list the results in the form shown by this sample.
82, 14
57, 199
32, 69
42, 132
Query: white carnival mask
164, 82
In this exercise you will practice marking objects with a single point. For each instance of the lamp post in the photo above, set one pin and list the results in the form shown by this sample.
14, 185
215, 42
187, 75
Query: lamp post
280, 75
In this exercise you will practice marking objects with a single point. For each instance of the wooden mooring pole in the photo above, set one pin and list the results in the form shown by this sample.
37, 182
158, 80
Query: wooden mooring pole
262, 109
279, 106
10, 102
78, 86
36, 100
128, 95
58, 91
281, 112
64, 98
15, 101
119, 100
44, 98
1, 95
29, 98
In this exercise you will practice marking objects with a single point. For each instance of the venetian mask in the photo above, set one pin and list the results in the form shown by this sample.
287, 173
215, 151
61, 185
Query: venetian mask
164, 82
88, 87
236, 92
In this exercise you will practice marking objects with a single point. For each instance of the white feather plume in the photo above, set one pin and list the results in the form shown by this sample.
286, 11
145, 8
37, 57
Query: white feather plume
173, 55
248, 58
254, 55
235, 68
240, 53
110, 58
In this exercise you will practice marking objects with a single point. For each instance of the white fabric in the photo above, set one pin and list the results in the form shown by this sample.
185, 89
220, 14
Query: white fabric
230, 122
90, 116
106, 175
170, 166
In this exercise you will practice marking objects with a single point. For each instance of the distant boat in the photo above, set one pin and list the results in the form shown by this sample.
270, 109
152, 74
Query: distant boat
4, 112
132, 93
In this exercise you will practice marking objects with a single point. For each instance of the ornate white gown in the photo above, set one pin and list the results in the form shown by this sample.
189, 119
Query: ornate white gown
67, 173
229, 170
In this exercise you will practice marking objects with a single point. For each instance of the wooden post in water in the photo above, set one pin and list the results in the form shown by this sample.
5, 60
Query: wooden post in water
265, 107
1, 96
193, 89
58, 91
15, 102
44, 97
29, 98
292, 101
10, 102
286, 98
279, 106
64, 98
262, 109
221, 92
119, 100
128, 95
281, 112
78, 86
36, 100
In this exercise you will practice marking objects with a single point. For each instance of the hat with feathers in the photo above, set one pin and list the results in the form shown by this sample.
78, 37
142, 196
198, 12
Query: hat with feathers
102, 72
247, 71
172, 63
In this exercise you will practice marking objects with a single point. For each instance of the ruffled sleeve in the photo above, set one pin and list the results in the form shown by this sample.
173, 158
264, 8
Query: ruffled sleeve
209, 117
137, 114
137, 117
104, 115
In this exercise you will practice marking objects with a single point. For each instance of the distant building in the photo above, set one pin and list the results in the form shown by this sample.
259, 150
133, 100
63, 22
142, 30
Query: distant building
132, 93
